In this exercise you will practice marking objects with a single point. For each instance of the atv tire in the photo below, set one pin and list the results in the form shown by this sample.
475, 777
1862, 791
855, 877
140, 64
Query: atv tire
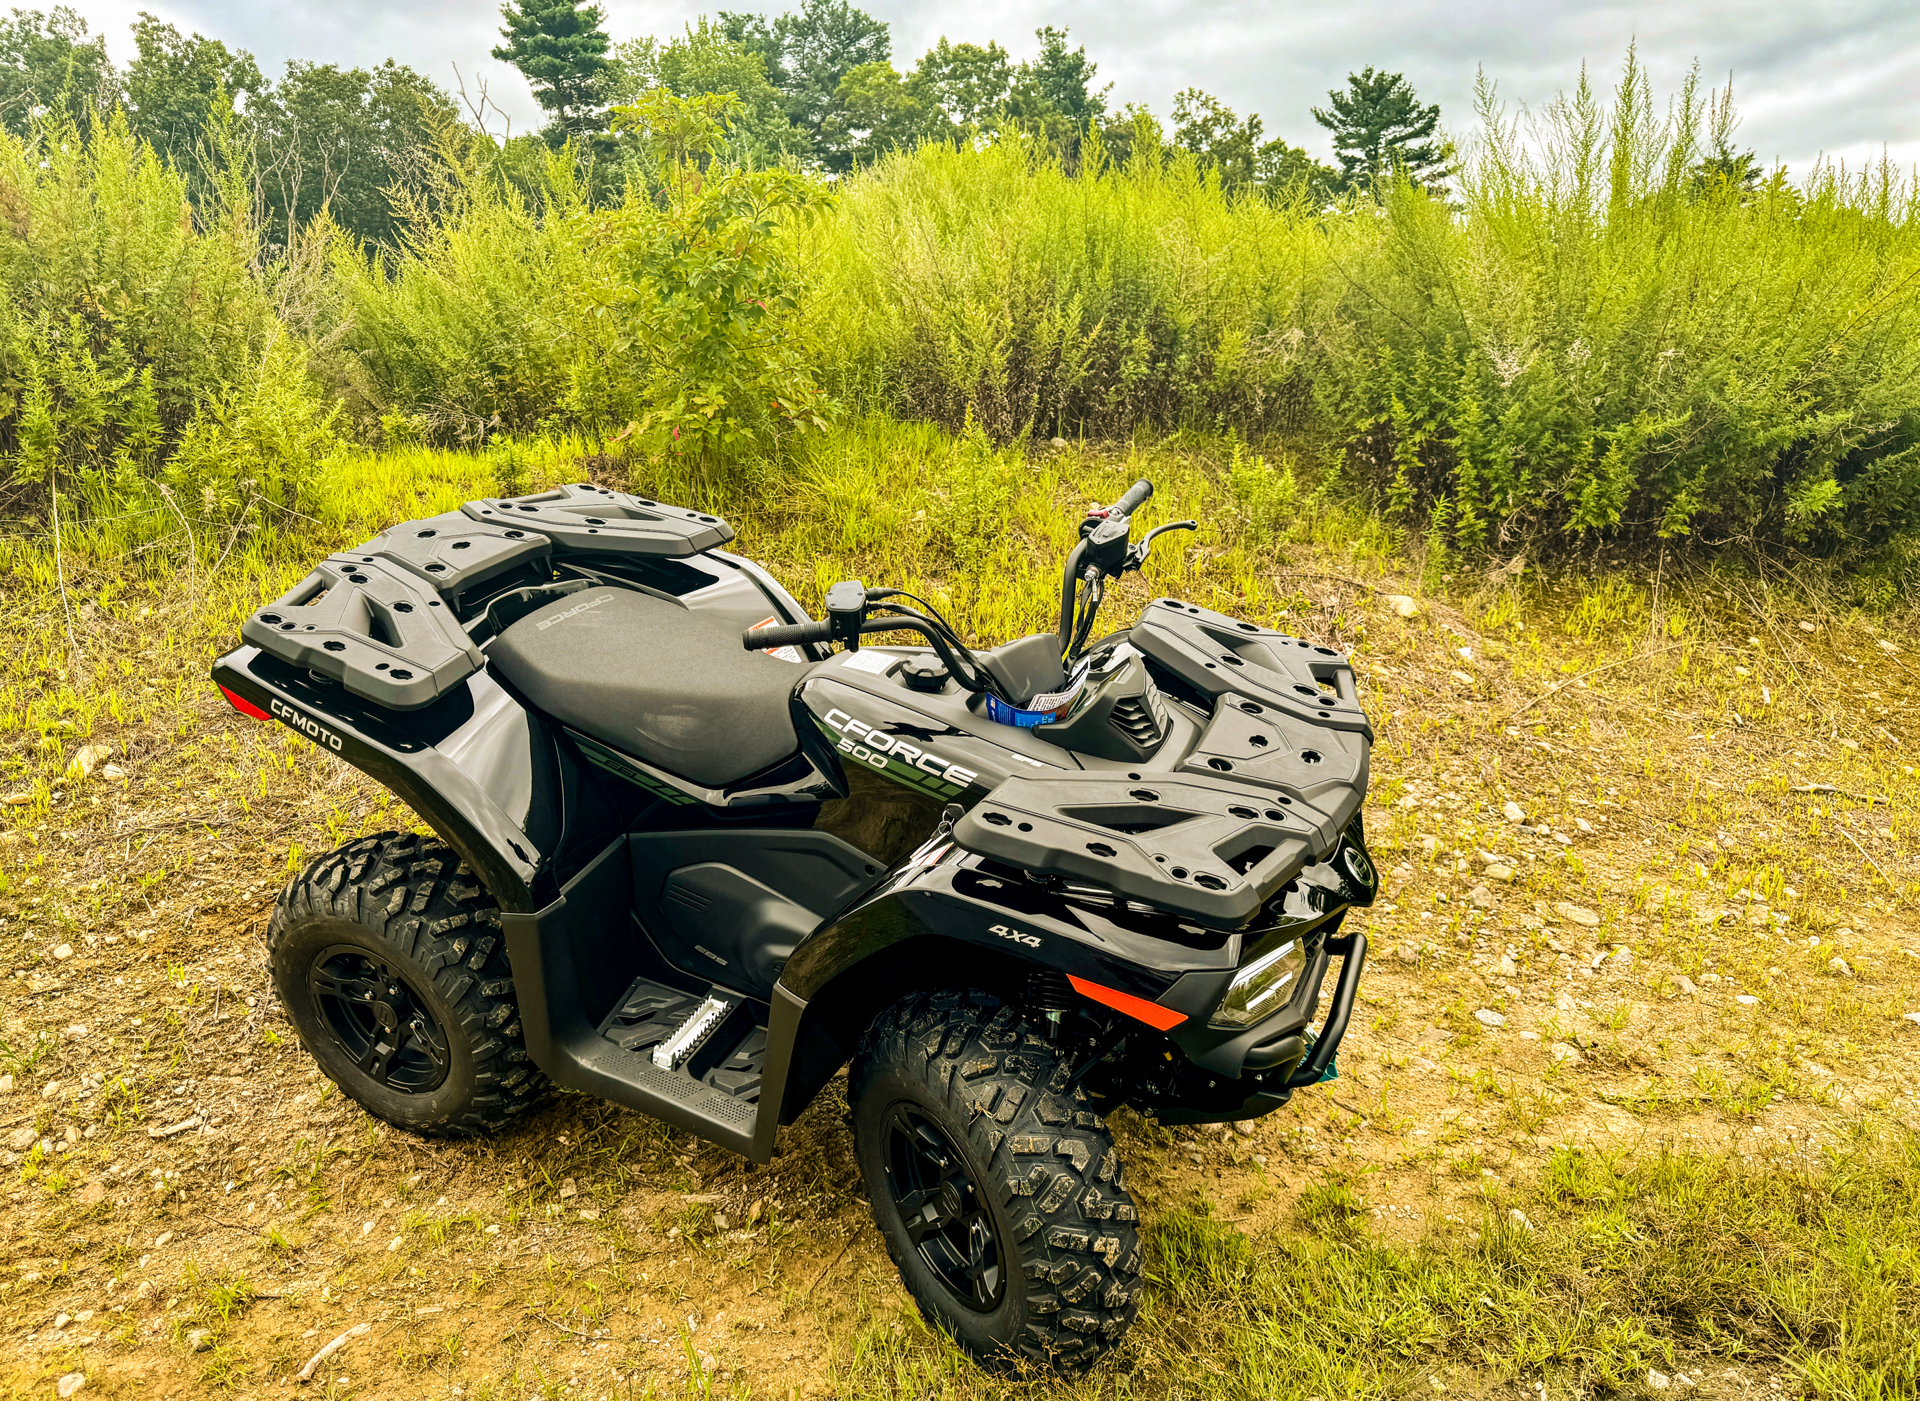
1022, 1242
388, 958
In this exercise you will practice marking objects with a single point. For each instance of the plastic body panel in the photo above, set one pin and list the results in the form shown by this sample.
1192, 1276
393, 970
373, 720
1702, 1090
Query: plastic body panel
402, 752
741, 899
572, 960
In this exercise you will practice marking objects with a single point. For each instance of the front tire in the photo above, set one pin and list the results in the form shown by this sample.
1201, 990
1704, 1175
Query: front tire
995, 1187
388, 958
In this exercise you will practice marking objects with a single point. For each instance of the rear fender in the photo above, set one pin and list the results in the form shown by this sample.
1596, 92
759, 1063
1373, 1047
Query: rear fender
471, 764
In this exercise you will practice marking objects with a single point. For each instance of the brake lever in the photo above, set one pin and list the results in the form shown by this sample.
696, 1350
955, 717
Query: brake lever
1137, 556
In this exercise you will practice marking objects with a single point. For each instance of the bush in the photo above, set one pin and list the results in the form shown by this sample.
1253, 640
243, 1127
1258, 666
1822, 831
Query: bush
475, 326
1596, 341
139, 348
705, 294
668, 317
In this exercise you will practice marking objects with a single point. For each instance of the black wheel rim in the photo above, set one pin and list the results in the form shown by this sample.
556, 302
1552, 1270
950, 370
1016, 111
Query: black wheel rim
943, 1210
380, 1021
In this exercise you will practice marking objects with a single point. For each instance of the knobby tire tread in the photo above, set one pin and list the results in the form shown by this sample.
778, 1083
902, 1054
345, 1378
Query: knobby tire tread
421, 898
1050, 1162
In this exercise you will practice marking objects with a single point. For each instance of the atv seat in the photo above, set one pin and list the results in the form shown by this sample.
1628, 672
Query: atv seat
654, 680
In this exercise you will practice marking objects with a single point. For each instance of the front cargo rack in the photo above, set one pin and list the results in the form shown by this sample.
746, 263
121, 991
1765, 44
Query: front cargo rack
1276, 777
384, 619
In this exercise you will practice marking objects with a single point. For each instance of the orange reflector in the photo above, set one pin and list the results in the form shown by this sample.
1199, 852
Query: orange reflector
245, 707
1152, 1013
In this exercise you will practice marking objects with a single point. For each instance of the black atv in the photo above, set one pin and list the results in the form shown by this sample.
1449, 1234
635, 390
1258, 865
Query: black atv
696, 872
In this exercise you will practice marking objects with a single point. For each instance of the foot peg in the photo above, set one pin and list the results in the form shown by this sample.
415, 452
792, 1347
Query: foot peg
707, 1018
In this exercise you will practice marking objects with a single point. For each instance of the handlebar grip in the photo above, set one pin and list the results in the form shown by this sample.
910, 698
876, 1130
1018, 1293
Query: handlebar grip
1135, 498
786, 635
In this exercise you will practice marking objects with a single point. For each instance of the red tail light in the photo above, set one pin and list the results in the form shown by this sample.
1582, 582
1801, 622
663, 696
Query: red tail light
245, 707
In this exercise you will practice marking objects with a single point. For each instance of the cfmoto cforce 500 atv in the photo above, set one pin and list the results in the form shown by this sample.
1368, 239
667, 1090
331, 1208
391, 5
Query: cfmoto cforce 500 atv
696, 853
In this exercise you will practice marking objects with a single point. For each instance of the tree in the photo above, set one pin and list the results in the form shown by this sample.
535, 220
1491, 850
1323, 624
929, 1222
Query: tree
1223, 143
561, 48
818, 46
1209, 129
341, 138
48, 64
1281, 169
708, 60
1380, 130
875, 111
1059, 82
174, 82
964, 83
757, 35
1131, 131
1729, 170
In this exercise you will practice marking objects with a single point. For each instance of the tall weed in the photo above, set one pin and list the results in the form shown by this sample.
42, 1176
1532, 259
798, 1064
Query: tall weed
1596, 341
476, 326
142, 369
991, 283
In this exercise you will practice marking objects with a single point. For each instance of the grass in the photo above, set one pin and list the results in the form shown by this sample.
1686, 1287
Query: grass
1331, 1267
1581, 1281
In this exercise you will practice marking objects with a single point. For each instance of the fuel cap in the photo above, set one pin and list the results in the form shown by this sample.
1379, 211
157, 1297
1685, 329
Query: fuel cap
924, 673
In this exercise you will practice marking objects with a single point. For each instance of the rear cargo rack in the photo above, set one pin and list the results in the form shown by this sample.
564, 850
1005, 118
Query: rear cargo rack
384, 619
582, 519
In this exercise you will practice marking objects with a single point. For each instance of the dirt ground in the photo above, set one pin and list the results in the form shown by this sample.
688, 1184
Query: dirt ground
1645, 888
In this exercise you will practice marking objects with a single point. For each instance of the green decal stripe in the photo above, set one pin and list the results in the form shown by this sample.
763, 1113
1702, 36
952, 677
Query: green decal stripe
612, 763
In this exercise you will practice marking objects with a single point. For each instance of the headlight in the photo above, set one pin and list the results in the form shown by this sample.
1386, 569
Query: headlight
1264, 983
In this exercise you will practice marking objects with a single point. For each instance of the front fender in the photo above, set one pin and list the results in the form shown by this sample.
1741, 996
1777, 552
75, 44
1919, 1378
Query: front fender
951, 921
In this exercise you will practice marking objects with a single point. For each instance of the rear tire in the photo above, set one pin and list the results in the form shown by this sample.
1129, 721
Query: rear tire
1022, 1243
388, 958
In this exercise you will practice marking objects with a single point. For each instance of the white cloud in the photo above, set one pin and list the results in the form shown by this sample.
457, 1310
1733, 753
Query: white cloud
1835, 78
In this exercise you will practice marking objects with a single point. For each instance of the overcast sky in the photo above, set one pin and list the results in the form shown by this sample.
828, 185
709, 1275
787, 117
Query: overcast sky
1811, 77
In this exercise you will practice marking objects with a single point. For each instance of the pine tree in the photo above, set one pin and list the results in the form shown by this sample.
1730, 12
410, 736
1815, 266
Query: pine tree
1380, 130
1727, 169
1059, 81
562, 49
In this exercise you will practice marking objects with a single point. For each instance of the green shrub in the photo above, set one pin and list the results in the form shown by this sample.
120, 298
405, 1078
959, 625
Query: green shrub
475, 326
669, 317
705, 294
1596, 342
139, 348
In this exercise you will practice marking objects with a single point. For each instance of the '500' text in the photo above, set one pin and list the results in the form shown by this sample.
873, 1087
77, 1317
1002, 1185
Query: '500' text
858, 736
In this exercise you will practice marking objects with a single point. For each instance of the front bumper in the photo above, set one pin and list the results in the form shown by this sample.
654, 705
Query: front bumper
1267, 1065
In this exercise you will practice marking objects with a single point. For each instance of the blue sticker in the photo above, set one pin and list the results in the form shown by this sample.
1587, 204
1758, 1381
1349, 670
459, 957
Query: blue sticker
1002, 713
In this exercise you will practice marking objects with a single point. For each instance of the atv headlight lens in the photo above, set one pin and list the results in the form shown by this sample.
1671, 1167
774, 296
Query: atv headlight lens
1264, 983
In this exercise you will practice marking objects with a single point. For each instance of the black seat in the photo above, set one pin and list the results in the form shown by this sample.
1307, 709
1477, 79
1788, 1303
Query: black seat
654, 680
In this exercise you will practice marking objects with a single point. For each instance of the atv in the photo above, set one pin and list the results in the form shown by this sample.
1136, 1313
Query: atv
696, 853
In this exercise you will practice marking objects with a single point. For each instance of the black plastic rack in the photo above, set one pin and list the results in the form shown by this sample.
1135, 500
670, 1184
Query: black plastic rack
384, 619
1278, 773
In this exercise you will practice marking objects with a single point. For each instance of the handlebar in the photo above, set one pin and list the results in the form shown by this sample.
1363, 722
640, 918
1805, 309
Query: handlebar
799, 634
1136, 497
786, 635
971, 676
